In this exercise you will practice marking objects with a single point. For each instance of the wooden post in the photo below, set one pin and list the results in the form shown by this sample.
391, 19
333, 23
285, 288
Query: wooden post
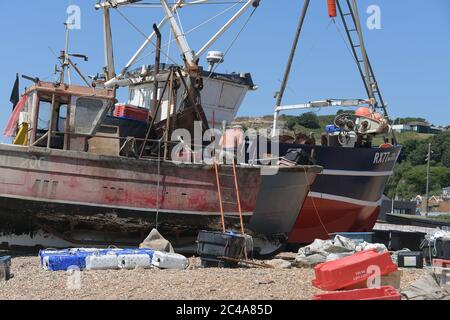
52, 121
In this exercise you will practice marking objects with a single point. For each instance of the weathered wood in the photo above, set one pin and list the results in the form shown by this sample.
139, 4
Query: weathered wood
105, 145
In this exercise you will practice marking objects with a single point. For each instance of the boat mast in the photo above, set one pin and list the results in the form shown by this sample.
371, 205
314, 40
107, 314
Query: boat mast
254, 3
180, 38
169, 10
109, 53
64, 57
280, 93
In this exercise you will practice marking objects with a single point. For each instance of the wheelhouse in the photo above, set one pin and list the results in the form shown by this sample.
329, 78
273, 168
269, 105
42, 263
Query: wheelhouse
62, 117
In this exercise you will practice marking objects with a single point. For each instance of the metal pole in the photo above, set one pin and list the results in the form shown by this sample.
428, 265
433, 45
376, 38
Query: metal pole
225, 27
156, 69
280, 93
66, 57
180, 37
109, 53
148, 40
428, 181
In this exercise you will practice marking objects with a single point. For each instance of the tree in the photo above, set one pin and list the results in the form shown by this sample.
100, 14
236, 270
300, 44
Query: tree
409, 146
291, 122
446, 158
309, 120
408, 120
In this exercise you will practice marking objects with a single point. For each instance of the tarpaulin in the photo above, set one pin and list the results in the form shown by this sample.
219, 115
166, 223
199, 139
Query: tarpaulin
11, 127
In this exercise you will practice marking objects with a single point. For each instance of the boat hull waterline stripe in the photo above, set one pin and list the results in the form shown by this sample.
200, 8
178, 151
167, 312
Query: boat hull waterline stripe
357, 173
345, 199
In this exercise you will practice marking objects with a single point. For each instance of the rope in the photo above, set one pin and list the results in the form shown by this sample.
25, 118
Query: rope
158, 184
314, 205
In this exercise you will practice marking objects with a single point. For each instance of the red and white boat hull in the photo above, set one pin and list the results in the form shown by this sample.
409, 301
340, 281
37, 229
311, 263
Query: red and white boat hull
346, 197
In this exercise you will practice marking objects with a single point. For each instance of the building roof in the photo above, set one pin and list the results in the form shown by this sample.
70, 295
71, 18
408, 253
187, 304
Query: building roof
419, 123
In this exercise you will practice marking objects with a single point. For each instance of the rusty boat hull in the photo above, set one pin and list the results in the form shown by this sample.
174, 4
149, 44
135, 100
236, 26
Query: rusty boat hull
81, 198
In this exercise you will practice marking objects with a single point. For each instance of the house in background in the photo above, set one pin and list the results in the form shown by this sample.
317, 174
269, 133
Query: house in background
401, 128
417, 126
446, 194
398, 207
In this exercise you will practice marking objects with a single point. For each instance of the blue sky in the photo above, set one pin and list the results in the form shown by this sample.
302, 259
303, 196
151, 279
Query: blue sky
410, 54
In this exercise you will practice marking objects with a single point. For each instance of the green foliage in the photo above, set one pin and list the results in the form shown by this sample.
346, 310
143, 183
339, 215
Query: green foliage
408, 120
309, 120
411, 174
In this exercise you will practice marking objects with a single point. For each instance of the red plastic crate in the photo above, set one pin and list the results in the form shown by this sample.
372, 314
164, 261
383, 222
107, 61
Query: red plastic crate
348, 271
383, 293
131, 112
441, 263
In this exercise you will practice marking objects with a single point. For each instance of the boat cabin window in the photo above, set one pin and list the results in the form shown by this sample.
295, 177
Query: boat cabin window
88, 114
44, 115
44, 120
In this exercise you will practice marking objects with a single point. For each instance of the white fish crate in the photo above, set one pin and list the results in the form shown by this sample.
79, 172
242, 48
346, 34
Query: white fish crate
133, 261
165, 260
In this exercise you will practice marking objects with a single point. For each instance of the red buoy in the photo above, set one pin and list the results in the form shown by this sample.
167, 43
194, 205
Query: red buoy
332, 8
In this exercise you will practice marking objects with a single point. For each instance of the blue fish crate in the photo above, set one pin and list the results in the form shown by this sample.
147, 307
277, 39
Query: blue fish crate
51, 252
356, 236
64, 262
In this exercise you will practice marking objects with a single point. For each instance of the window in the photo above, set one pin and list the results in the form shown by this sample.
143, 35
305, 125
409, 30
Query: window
62, 117
88, 114
45, 108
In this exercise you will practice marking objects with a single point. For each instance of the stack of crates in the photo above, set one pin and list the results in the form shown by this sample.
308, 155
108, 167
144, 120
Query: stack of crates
355, 271
63, 260
131, 112
441, 268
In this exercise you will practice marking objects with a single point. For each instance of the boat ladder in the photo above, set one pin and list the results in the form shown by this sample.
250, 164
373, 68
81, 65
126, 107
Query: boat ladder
221, 187
353, 30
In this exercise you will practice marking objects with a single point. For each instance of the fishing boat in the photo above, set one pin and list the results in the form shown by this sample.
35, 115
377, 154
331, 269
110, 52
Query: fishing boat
95, 174
347, 196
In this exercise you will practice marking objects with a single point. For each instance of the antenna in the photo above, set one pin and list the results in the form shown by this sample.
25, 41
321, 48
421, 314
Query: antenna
67, 63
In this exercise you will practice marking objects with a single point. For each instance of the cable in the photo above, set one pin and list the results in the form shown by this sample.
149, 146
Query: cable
191, 30
345, 41
158, 184
158, 4
314, 205
144, 35
234, 41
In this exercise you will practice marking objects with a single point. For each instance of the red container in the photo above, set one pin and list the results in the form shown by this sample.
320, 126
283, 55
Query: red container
130, 112
383, 293
441, 263
348, 271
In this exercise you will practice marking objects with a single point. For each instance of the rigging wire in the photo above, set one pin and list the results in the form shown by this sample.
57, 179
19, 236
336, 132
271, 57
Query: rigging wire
143, 34
151, 5
168, 48
345, 41
234, 40
191, 30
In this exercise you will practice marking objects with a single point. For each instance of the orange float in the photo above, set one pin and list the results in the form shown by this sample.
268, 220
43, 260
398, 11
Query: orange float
332, 13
